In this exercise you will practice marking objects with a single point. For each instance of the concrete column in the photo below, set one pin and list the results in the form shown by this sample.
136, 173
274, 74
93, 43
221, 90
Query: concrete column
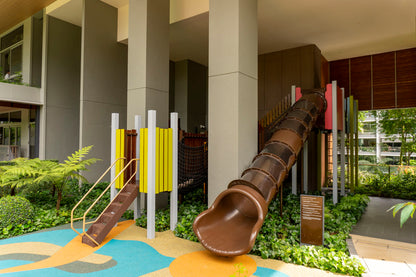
232, 94
148, 61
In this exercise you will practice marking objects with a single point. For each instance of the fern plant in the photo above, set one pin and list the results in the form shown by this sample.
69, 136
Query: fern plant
35, 172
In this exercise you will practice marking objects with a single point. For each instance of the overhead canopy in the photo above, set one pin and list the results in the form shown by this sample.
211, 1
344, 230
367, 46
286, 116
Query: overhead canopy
12, 11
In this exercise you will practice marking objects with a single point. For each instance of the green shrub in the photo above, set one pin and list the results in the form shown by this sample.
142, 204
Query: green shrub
402, 185
15, 210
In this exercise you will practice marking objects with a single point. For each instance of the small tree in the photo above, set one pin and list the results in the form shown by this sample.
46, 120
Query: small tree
35, 172
23, 172
403, 123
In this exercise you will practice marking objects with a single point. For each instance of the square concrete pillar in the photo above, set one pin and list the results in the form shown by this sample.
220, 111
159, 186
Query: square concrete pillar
148, 61
232, 94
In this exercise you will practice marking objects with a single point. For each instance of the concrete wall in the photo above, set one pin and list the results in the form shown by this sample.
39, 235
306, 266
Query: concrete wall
103, 82
197, 96
190, 94
36, 65
62, 88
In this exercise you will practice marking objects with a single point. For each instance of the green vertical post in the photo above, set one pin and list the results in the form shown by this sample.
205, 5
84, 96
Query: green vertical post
351, 140
356, 141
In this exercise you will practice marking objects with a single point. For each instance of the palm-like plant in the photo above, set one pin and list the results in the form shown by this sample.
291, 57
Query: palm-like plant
35, 171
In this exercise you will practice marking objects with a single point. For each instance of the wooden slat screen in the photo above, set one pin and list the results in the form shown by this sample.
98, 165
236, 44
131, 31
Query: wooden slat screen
361, 81
339, 70
383, 81
406, 78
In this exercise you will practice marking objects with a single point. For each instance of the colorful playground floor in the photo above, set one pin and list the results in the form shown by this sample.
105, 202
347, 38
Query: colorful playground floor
127, 252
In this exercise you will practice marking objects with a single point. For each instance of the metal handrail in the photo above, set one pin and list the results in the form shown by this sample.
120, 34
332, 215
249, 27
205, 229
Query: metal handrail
82, 199
98, 198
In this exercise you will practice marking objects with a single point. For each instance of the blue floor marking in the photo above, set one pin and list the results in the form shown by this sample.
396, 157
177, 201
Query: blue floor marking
267, 272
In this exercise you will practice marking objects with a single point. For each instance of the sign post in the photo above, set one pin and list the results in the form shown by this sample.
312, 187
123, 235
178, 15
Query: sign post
312, 219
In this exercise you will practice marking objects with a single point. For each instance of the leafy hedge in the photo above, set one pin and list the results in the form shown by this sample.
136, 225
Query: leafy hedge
15, 210
279, 236
402, 185
45, 214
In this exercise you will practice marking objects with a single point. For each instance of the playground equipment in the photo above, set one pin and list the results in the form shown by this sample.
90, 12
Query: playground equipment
157, 149
230, 226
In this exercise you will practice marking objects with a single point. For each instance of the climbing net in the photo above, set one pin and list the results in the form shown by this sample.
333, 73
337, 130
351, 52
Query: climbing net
192, 166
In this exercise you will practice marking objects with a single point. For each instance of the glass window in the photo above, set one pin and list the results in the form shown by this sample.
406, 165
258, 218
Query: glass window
12, 38
13, 136
18, 135
4, 117
16, 60
16, 116
6, 136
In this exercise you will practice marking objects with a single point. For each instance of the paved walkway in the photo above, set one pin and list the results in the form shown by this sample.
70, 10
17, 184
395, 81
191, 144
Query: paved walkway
384, 248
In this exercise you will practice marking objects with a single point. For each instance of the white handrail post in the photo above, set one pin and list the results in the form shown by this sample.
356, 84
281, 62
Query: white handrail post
174, 192
114, 127
151, 158
138, 201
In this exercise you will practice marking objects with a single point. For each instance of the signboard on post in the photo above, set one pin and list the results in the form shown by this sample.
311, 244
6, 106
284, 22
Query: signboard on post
312, 219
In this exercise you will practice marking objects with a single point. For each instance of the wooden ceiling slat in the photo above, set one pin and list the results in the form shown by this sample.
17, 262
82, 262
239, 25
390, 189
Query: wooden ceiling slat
12, 12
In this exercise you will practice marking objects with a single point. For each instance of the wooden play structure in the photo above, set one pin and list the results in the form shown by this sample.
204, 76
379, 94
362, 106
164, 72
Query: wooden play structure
157, 149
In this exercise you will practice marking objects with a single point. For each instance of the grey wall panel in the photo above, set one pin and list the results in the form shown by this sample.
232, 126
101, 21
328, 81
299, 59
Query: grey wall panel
96, 129
62, 88
36, 70
181, 93
197, 96
103, 81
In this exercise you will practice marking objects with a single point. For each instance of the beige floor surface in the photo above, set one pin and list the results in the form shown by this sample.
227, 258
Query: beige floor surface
166, 243
385, 257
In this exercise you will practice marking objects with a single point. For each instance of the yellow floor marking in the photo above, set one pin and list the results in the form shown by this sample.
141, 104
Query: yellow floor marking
205, 264
38, 248
73, 251
46, 249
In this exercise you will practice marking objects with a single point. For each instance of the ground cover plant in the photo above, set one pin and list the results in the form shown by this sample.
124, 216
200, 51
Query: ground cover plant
279, 236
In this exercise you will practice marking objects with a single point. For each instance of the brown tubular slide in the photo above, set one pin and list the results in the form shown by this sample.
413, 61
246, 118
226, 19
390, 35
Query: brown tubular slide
230, 226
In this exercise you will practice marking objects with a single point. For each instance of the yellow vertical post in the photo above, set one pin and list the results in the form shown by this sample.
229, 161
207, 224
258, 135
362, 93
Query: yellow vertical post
119, 154
170, 159
165, 159
146, 133
161, 147
157, 179
141, 161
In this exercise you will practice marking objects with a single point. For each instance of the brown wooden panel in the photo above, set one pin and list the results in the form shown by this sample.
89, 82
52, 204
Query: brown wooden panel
361, 81
260, 83
383, 81
324, 72
406, 94
406, 65
406, 78
273, 80
339, 71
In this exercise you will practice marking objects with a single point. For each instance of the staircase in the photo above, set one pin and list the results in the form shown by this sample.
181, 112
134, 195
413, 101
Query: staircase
109, 218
